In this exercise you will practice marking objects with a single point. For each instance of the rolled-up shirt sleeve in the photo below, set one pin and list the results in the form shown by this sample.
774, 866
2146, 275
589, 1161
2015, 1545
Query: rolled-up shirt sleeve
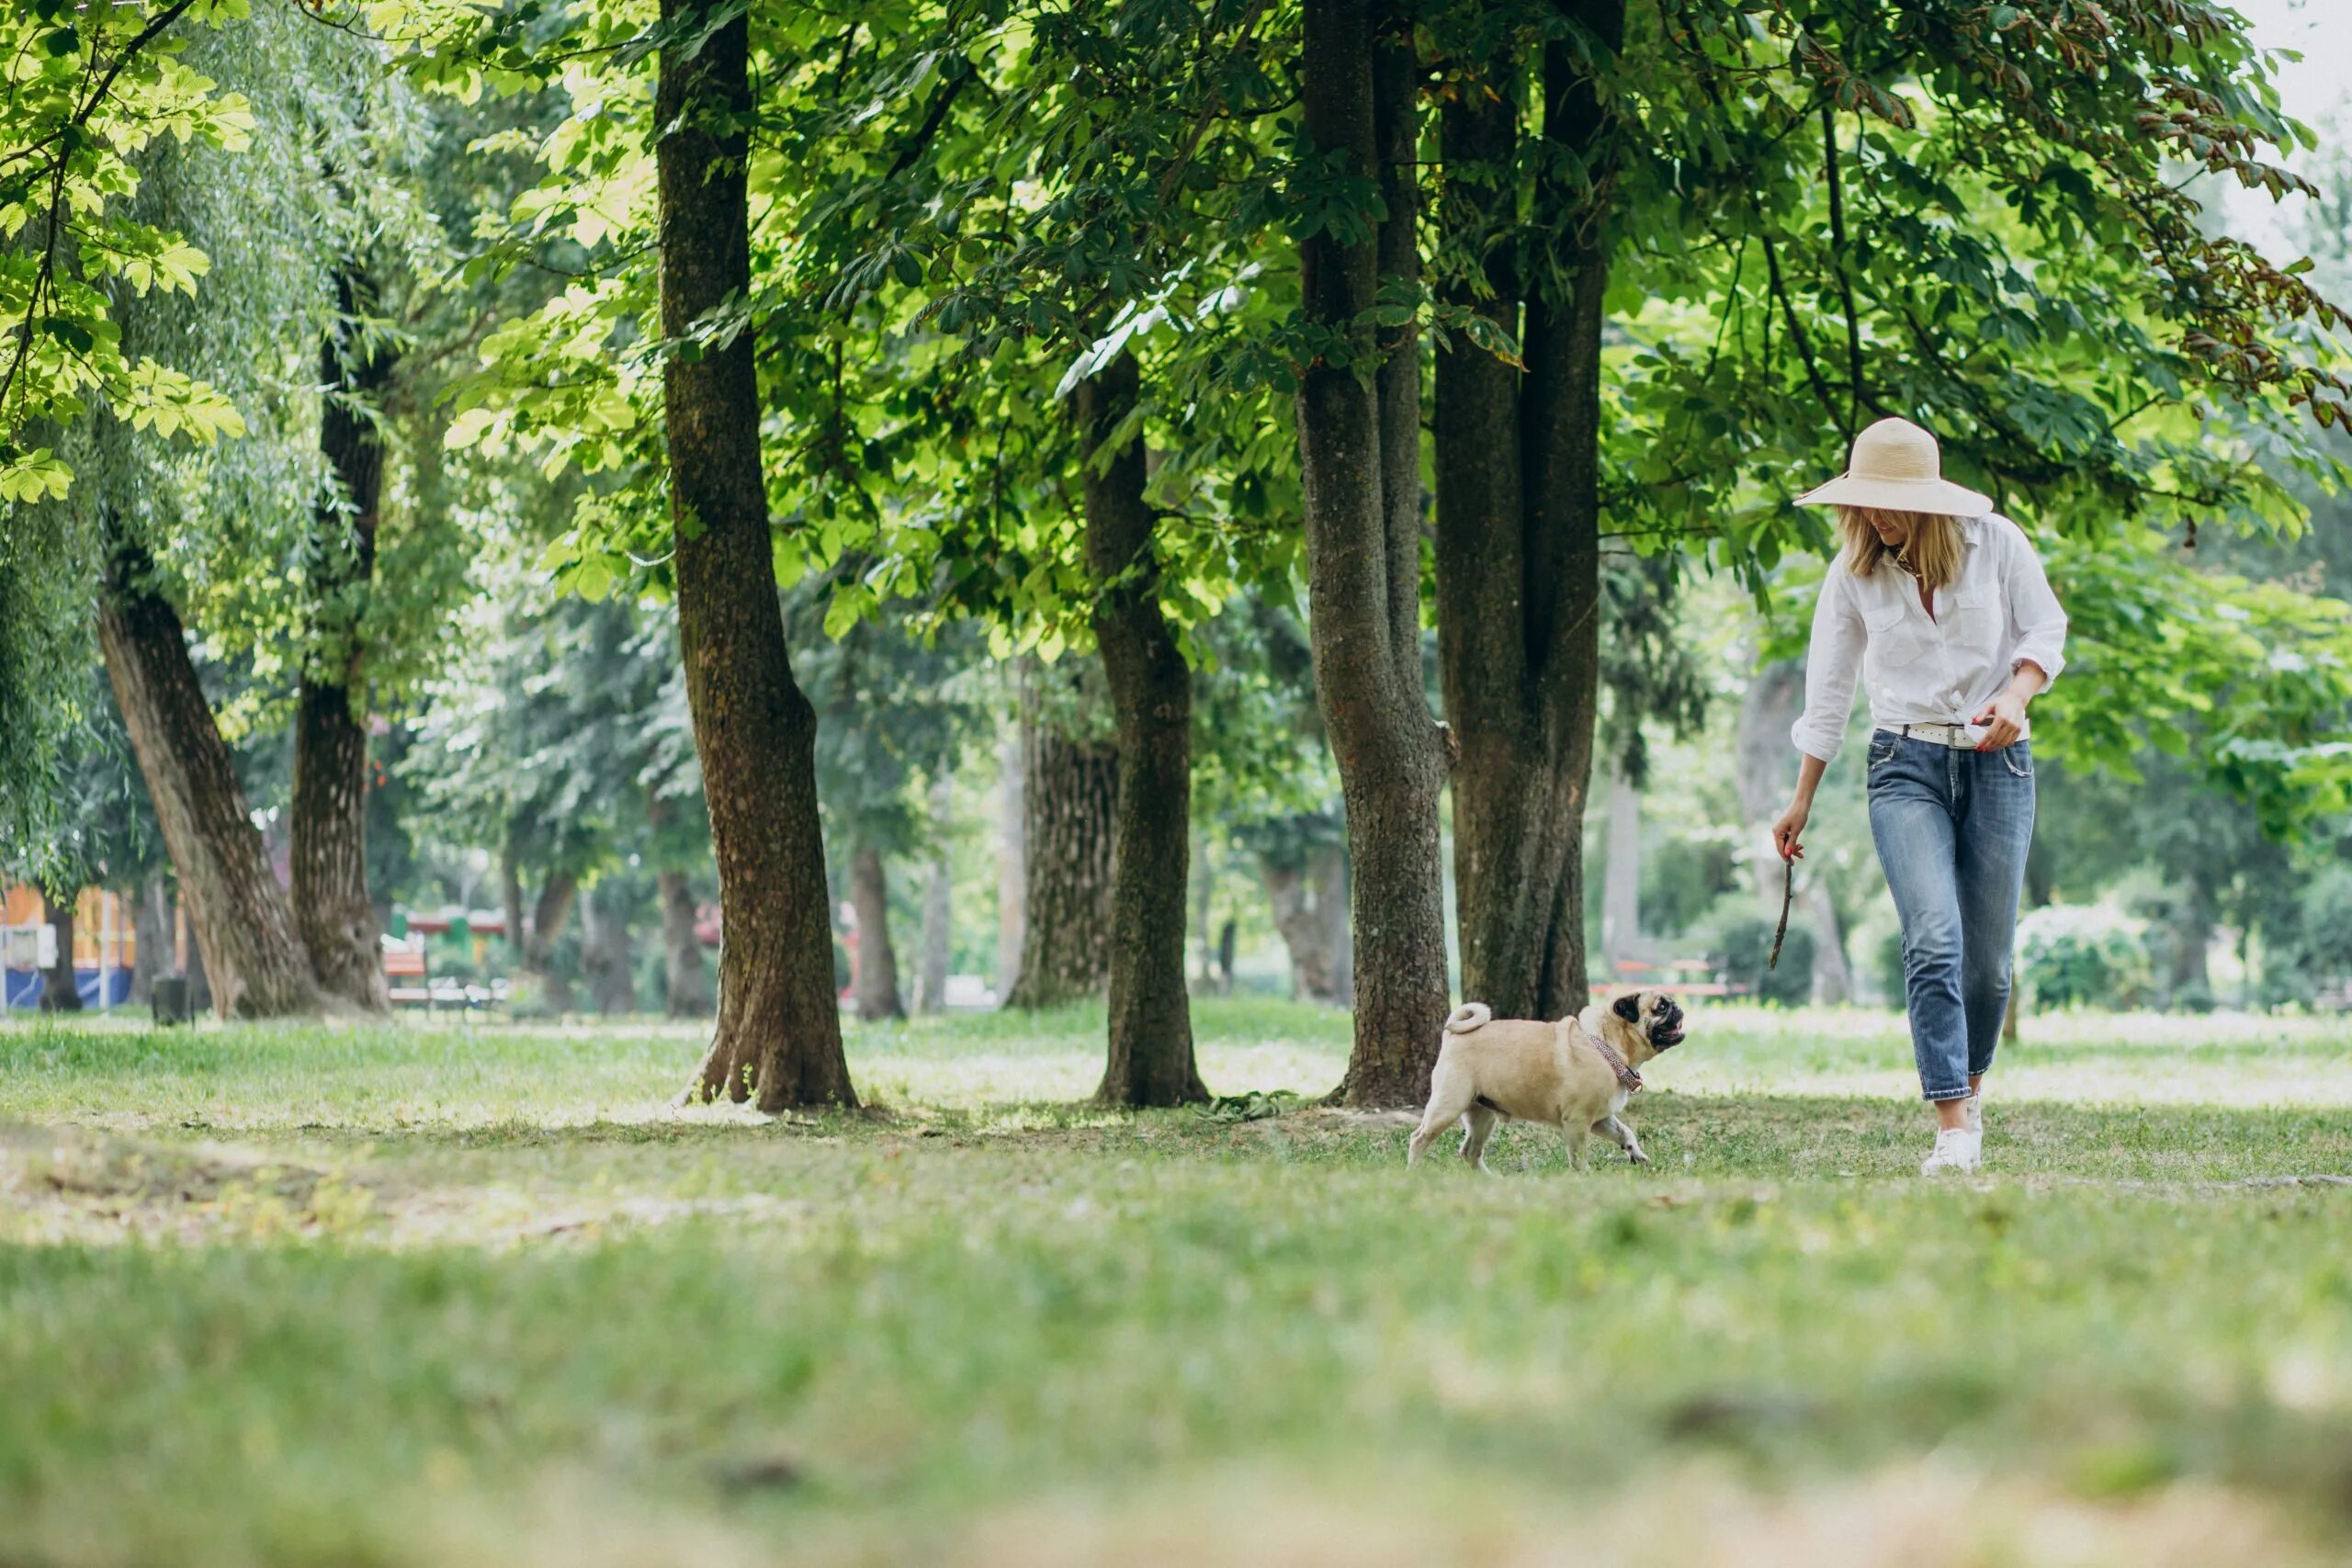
1833, 663
2037, 620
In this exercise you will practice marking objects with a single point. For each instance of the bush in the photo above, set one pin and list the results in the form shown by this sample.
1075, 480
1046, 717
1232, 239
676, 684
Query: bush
2313, 953
1743, 946
2084, 955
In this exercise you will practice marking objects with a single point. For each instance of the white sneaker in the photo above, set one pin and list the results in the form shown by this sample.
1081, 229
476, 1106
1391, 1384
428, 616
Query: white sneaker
1958, 1152
1976, 1114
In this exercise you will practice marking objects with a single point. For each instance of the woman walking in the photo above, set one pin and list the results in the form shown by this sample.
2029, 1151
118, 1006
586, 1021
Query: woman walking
1940, 608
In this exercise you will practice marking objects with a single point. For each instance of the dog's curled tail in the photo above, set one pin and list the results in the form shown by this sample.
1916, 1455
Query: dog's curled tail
1467, 1017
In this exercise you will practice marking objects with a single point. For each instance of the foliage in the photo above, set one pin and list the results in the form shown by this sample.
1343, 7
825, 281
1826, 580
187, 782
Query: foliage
1743, 949
556, 736
2084, 955
86, 91
2309, 951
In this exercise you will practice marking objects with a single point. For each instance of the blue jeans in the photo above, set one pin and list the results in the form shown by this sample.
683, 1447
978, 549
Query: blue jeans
1952, 828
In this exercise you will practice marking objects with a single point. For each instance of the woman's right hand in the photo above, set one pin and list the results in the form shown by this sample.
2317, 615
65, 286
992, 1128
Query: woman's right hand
1788, 833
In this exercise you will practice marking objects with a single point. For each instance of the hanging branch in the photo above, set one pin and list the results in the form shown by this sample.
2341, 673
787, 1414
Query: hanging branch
1837, 264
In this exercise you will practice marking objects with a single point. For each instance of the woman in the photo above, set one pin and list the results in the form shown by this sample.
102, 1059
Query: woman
1940, 607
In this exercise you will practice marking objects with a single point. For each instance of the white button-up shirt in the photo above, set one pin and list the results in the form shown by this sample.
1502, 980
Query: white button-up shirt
1920, 668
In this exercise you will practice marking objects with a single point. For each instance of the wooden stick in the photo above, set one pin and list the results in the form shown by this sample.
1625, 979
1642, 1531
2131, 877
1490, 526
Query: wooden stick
1788, 895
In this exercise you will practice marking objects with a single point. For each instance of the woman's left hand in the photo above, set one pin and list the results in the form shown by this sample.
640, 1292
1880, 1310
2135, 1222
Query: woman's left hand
2003, 721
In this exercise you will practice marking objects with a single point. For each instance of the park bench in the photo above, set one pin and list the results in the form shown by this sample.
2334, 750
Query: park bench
1634, 971
402, 966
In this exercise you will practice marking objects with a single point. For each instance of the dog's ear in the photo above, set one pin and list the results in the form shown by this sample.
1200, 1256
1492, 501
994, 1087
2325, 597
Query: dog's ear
1629, 1007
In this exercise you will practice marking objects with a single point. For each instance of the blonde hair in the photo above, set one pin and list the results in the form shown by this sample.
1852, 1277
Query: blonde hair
1931, 553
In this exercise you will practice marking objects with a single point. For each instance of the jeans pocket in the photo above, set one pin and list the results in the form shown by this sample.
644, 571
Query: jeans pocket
1881, 752
2018, 760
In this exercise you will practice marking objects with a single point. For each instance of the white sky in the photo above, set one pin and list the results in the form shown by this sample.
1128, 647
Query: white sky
2313, 90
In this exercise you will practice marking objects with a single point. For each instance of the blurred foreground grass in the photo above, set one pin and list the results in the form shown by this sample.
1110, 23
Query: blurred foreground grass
432, 1294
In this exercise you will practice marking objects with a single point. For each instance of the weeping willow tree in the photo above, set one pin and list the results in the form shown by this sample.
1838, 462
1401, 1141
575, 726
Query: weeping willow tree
259, 543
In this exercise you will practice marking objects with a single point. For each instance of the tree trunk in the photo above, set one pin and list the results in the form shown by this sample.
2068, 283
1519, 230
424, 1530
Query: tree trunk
509, 897
244, 927
1359, 461
1310, 905
877, 960
151, 936
2189, 969
1832, 984
1304, 933
606, 960
1519, 531
1767, 764
1767, 770
1012, 865
1150, 1054
1203, 893
200, 984
938, 908
779, 1030
59, 992
1333, 882
329, 818
1068, 818
1620, 894
547, 917
686, 988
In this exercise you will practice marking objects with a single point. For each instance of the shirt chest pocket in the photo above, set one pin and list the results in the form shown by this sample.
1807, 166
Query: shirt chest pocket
1898, 637
1978, 616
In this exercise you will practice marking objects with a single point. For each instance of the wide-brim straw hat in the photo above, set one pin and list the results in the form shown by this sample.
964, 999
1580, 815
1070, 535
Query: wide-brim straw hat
1896, 466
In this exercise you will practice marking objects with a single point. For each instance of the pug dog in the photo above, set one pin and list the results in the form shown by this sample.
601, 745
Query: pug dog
1574, 1074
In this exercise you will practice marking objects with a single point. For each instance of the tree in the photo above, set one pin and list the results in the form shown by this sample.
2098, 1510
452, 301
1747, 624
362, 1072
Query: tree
253, 957
1150, 1060
1788, 221
778, 1035
1358, 425
1070, 790
332, 910
90, 91
1517, 458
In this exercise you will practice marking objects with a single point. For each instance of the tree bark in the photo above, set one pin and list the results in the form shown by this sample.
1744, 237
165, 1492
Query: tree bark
1359, 461
606, 959
1067, 820
151, 936
549, 913
1310, 905
686, 980
1620, 896
59, 992
938, 910
779, 1034
1519, 534
510, 897
1768, 766
200, 984
1335, 898
1012, 867
328, 818
1150, 1055
878, 959
244, 927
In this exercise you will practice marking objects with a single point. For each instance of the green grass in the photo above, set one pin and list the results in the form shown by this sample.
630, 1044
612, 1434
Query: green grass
427, 1294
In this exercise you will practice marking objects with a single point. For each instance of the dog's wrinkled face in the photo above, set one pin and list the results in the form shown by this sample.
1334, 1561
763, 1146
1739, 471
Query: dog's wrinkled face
1656, 1014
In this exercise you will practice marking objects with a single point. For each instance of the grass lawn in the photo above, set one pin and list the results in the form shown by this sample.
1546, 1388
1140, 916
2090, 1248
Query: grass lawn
432, 1294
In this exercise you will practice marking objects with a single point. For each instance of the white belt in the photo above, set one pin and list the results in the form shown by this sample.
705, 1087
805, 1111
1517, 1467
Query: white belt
1958, 736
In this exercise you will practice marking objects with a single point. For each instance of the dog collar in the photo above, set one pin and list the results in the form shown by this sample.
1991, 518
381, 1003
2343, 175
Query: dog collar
1630, 1080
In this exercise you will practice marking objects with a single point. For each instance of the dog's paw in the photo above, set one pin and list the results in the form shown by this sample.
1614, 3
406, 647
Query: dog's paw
1635, 1156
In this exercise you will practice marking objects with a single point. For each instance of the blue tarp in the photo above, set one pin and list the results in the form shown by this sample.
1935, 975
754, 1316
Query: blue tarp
23, 987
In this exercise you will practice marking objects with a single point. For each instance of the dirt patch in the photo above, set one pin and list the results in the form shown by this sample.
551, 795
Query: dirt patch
80, 1185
